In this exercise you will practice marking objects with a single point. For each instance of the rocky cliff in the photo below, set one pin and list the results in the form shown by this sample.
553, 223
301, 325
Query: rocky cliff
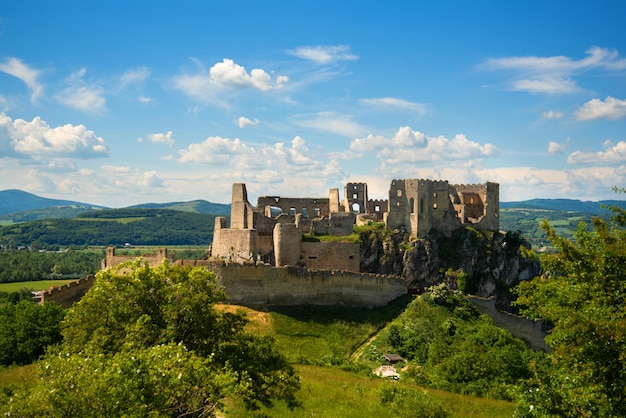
483, 263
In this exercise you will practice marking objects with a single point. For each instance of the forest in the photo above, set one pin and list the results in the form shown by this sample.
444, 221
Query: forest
113, 227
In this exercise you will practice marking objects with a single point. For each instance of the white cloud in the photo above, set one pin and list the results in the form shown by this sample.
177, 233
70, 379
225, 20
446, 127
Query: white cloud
36, 140
244, 122
161, 138
394, 103
610, 108
143, 99
134, 76
80, 96
612, 154
552, 114
554, 75
16, 68
407, 147
324, 54
556, 148
550, 84
331, 122
115, 168
277, 160
226, 75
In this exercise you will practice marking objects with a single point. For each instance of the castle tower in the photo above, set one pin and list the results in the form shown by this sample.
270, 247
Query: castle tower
241, 212
355, 197
333, 200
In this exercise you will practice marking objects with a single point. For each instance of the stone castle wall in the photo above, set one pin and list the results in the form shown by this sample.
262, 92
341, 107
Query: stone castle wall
252, 285
261, 285
330, 255
67, 294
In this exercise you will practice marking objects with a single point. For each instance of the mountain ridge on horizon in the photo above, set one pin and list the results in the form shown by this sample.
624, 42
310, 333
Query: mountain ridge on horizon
16, 204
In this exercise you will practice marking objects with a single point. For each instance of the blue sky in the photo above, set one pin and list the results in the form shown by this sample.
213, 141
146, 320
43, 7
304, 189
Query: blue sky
119, 103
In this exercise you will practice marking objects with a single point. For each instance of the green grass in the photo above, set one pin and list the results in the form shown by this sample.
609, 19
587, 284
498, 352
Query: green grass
330, 392
35, 285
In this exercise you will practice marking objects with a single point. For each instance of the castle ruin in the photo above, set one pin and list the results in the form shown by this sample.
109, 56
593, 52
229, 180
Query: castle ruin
272, 231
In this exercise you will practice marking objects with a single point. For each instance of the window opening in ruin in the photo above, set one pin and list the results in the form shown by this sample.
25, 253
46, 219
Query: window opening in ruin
471, 200
355, 196
412, 205
376, 208
434, 205
245, 217
434, 194
351, 257
312, 257
305, 212
422, 205
399, 193
318, 212
356, 208
292, 211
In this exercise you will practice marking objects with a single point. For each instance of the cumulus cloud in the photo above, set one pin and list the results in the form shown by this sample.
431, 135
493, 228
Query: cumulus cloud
279, 159
612, 154
244, 122
552, 114
555, 74
226, 75
408, 147
324, 54
36, 140
161, 138
16, 68
144, 99
115, 168
394, 103
610, 108
81, 96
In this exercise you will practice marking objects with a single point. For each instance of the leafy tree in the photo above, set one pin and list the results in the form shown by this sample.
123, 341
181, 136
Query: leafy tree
26, 329
583, 294
150, 341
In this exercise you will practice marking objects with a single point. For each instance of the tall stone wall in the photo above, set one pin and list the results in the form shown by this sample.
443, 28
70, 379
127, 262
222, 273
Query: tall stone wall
251, 285
330, 255
287, 239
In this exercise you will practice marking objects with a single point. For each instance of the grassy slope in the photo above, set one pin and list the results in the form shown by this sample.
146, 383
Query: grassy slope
321, 336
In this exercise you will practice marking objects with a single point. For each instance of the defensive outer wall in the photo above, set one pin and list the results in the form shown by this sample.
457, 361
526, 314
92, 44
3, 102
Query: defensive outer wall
254, 285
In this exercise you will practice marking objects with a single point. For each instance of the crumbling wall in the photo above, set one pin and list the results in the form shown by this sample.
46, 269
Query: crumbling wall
308, 207
340, 224
378, 208
355, 197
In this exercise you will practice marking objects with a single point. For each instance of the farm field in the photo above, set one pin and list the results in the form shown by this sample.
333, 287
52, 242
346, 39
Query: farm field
33, 285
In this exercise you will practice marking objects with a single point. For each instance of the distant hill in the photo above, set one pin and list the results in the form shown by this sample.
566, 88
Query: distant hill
114, 227
566, 205
19, 206
13, 201
194, 206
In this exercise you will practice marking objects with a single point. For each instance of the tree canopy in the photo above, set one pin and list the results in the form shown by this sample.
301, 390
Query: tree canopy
583, 295
151, 341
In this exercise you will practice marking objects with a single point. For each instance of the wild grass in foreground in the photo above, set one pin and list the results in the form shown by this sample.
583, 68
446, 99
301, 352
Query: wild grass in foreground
330, 392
